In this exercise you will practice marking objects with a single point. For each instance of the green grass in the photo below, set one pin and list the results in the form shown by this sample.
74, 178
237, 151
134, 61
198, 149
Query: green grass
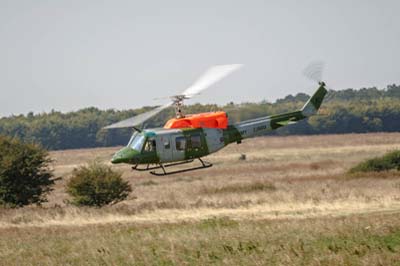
389, 161
357, 240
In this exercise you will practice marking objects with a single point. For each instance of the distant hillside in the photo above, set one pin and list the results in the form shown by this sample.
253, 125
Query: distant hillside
345, 111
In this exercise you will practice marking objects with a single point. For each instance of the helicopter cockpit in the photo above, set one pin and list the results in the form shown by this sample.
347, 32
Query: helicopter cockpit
138, 140
141, 147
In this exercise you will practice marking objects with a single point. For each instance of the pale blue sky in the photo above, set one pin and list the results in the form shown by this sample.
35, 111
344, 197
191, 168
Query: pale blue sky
66, 55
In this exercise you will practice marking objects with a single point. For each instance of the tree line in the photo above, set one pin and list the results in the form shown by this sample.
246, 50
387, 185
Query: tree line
344, 111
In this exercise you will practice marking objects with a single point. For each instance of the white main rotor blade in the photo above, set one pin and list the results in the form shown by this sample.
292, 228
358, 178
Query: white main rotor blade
139, 119
211, 76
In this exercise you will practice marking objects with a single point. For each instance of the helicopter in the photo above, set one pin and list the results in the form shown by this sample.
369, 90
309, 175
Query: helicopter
189, 137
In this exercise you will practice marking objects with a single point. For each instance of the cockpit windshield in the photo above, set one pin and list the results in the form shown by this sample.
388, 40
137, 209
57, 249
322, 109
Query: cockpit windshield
136, 142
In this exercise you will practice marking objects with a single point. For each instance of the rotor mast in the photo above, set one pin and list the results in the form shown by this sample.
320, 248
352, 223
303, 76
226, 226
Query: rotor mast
178, 105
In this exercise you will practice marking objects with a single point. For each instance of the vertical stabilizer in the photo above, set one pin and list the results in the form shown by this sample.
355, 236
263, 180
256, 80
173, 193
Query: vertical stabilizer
312, 105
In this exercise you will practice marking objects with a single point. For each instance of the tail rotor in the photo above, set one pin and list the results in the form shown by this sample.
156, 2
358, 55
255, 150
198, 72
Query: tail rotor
314, 71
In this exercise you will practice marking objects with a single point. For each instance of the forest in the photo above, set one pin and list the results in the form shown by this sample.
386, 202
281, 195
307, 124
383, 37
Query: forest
343, 111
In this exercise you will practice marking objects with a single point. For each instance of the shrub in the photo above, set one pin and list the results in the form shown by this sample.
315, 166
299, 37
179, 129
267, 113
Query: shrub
25, 176
97, 185
386, 162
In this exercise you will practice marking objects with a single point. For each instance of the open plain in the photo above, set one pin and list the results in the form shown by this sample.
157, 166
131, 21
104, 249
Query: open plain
289, 202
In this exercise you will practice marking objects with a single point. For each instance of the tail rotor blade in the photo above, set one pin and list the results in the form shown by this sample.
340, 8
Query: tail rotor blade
314, 71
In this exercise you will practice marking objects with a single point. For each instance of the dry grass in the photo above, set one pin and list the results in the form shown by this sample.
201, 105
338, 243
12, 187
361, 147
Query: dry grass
286, 162
290, 171
351, 240
300, 182
240, 188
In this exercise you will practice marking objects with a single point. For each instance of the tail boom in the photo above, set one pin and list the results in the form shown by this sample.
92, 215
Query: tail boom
258, 126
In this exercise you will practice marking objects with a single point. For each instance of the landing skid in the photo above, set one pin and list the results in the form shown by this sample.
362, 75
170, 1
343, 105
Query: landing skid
164, 172
203, 165
136, 167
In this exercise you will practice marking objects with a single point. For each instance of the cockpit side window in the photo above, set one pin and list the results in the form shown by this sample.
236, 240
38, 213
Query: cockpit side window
150, 145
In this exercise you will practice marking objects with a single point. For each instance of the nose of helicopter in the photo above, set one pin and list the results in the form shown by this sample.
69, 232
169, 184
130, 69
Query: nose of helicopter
124, 155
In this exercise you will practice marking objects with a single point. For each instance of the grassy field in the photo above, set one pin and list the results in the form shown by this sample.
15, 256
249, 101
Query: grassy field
290, 202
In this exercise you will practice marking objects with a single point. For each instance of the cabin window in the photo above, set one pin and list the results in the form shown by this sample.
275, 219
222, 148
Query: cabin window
167, 145
180, 143
196, 141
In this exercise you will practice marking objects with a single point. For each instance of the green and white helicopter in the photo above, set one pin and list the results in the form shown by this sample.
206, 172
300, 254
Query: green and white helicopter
191, 137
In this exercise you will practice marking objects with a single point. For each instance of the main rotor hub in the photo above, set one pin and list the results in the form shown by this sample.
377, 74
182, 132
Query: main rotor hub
178, 105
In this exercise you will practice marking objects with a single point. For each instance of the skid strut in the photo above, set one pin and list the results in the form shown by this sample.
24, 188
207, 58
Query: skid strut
164, 172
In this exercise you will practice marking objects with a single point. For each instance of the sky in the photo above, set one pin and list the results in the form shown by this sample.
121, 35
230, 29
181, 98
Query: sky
69, 54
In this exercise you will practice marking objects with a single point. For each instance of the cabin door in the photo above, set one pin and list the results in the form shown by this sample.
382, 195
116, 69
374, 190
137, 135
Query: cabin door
164, 148
149, 152
179, 145
197, 146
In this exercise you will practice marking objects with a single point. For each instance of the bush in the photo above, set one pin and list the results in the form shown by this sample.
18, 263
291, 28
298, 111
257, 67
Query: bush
386, 162
97, 185
25, 177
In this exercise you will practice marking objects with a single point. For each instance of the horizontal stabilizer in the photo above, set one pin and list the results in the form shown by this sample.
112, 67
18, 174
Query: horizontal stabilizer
285, 123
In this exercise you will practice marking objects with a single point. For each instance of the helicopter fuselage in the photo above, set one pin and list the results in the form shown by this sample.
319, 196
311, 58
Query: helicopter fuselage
155, 146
